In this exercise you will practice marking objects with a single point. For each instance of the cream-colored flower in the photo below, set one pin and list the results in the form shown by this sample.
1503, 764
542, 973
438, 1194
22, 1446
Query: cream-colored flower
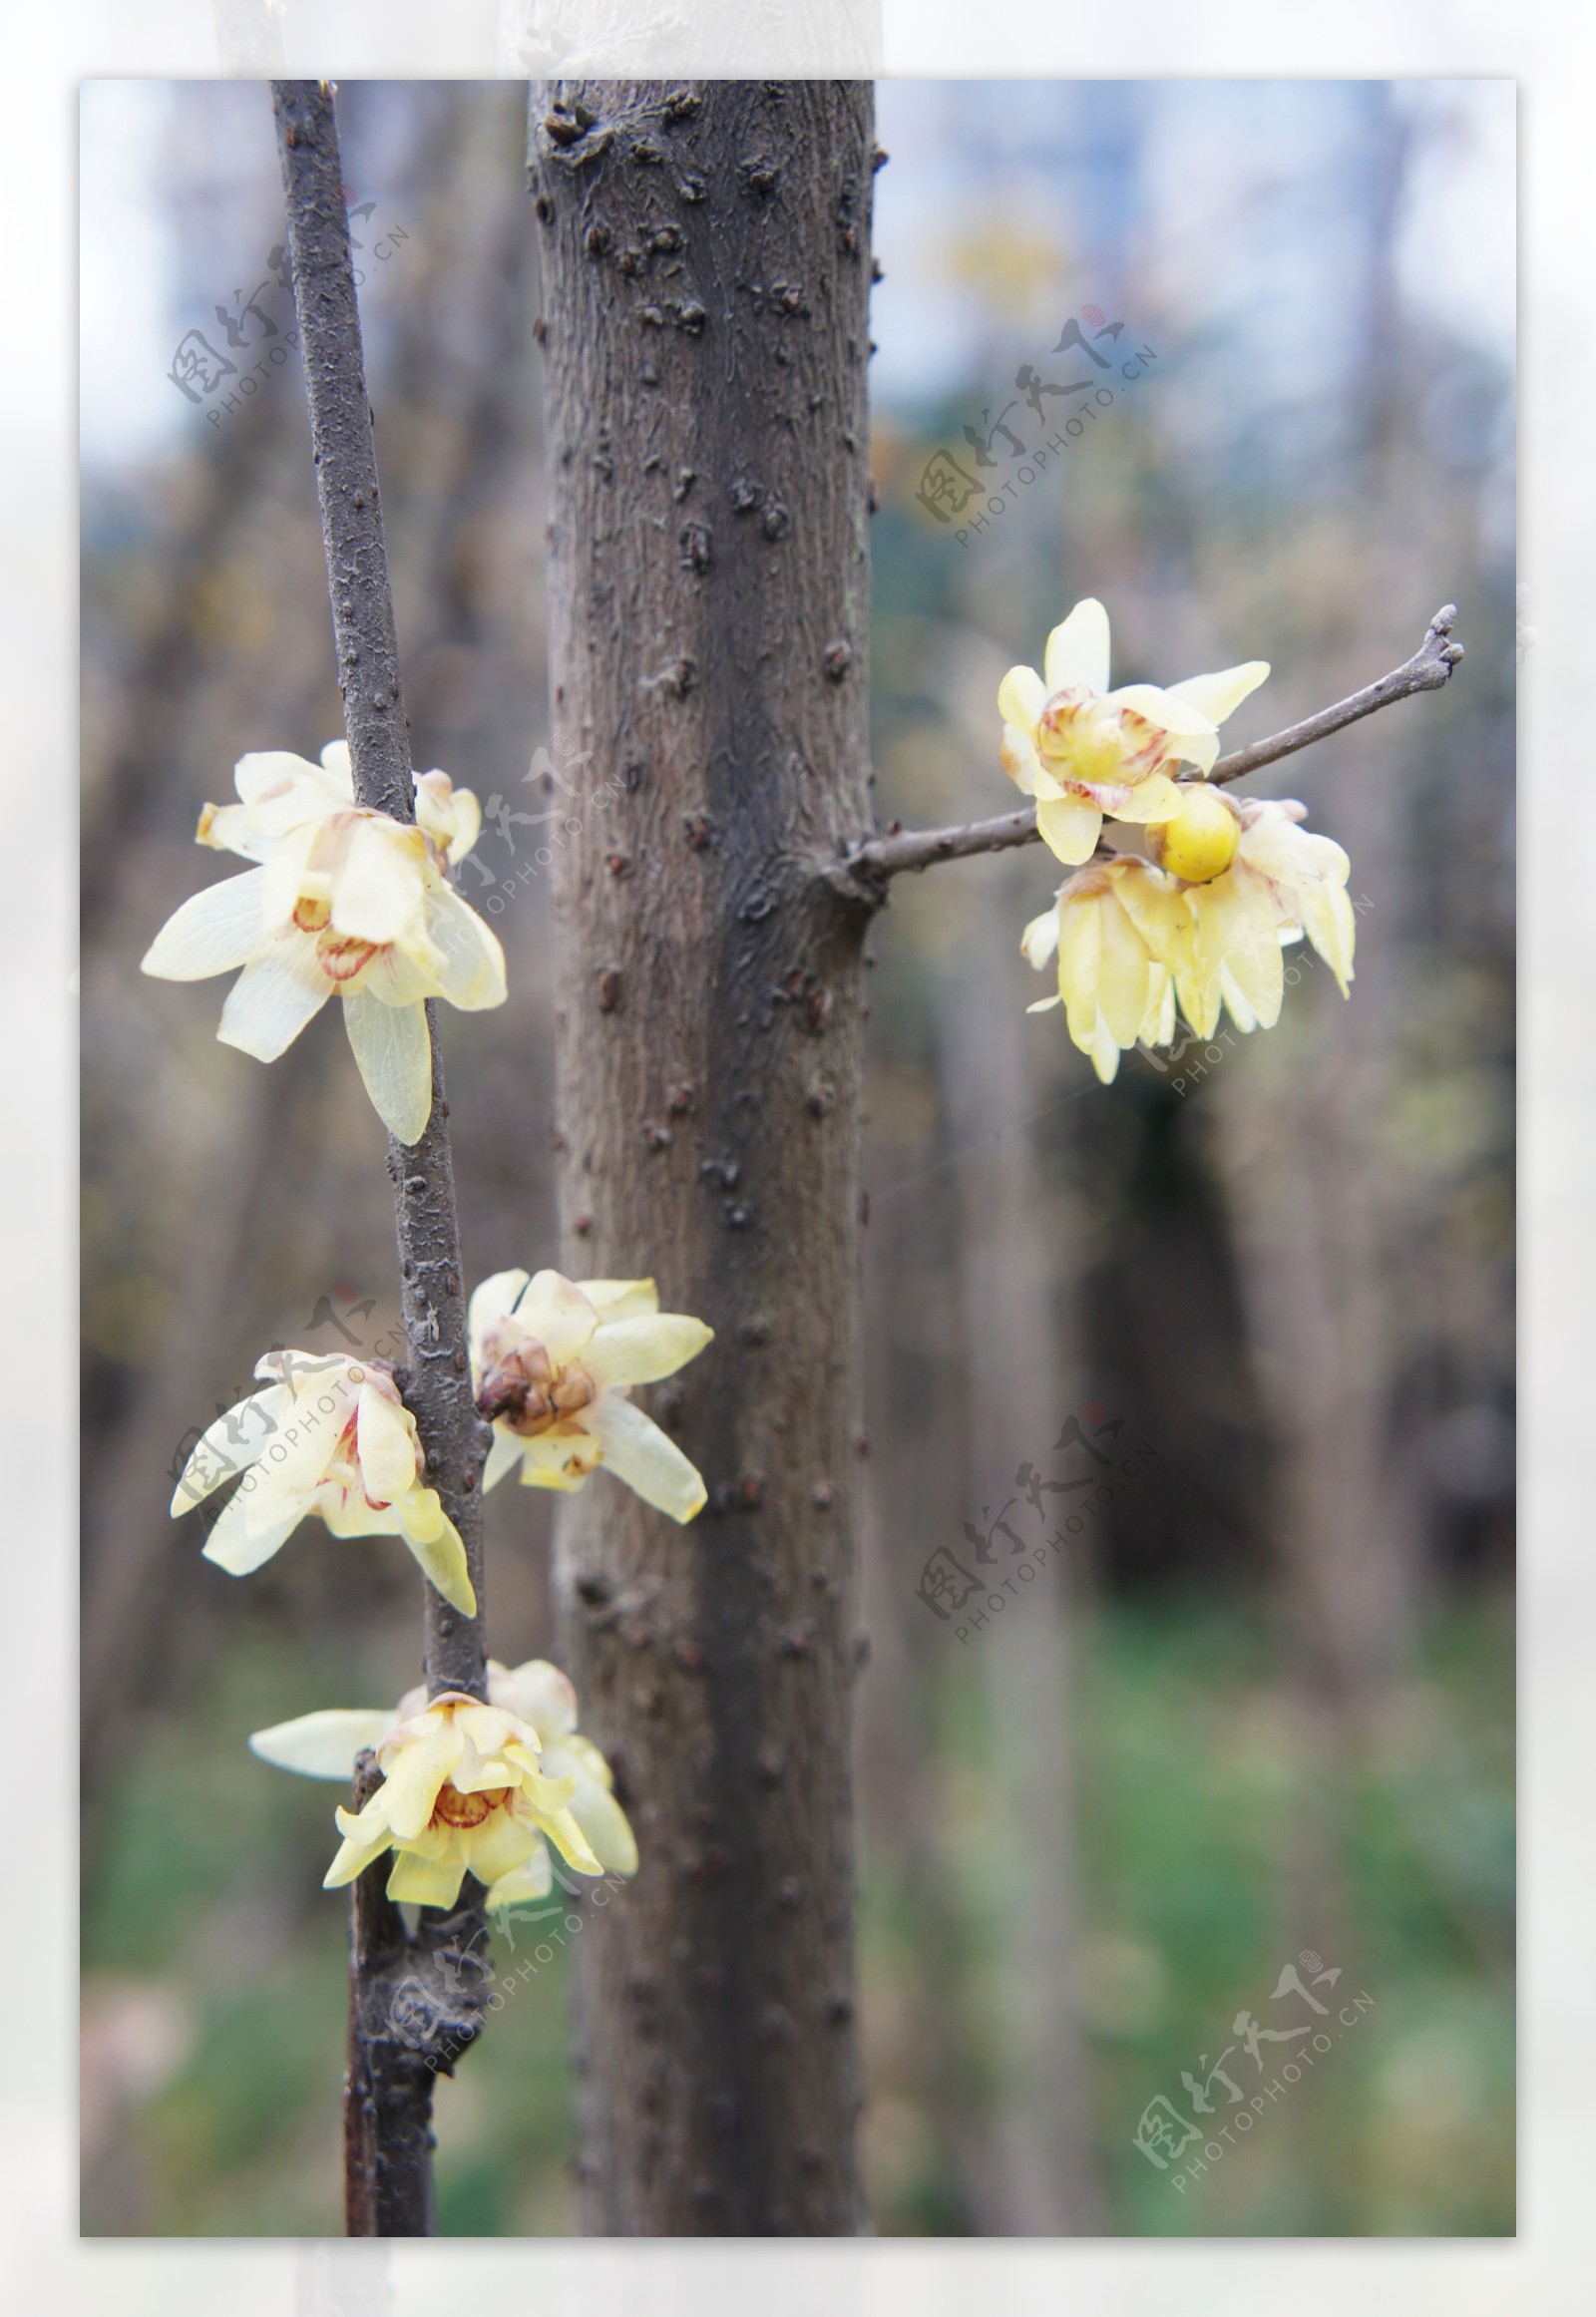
1083, 751
553, 1364
1283, 881
1120, 931
500, 1832
346, 903
331, 1436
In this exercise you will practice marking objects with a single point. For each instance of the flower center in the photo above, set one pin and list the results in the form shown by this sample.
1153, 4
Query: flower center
311, 916
340, 955
521, 1383
453, 1809
1080, 737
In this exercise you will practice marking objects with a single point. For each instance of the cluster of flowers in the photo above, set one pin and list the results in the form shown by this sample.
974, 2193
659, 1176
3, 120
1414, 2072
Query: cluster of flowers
348, 902
1202, 920
465, 1785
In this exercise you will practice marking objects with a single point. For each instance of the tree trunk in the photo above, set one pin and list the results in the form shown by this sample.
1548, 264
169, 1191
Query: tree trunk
707, 261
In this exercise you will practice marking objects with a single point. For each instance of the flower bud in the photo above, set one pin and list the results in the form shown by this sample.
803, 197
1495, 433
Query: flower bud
1200, 842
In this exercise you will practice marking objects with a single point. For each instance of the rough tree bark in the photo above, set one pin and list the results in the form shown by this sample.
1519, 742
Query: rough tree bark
706, 254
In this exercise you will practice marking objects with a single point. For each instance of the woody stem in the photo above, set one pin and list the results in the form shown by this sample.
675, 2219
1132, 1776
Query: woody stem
389, 2085
863, 872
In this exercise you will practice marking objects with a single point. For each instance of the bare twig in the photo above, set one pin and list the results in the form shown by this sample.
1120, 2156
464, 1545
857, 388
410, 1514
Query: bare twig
863, 872
390, 2082
1426, 671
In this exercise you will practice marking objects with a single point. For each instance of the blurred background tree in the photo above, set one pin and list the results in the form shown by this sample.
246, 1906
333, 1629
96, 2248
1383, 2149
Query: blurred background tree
1268, 1705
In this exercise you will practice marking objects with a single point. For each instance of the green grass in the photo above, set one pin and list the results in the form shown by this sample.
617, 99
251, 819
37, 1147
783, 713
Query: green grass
1219, 1835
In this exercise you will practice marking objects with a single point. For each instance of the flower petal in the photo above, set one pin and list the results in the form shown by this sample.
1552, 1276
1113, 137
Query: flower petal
1220, 695
378, 891
277, 992
414, 1770
472, 975
557, 1312
540, 1694
641, 1456
1153, 798
628, 1351
529, 1882
435, 1542
1021, 696
566, 1836
393, 1051
1077, 650
503, 1456
562, 1458
1019, 758
337, 770
593, 1806
425, 1882
1331, 924
620, 1299
386, 1446
212, 933
1039, 940
266, 775
1123, 974
238, 1548
287, 1472
229, 1446
1187, 733
499, 1846
285, 877
360, 1846
1070, 826
324, 1745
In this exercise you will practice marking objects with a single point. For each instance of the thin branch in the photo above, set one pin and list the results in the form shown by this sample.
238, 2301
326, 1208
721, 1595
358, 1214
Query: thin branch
1426, 671
863, 874
390, 2080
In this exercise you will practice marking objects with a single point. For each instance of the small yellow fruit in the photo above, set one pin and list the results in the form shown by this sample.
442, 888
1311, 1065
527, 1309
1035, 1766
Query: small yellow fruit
1200, 842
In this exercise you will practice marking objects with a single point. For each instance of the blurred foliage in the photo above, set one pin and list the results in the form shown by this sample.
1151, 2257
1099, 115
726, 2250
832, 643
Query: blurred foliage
1197, 1772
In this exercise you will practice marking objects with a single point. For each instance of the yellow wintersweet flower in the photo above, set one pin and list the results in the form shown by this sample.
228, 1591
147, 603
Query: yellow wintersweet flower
1083, 751
331, 1436
485, 1789
345, 901
1276, 882
553, 1364
1120, 931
